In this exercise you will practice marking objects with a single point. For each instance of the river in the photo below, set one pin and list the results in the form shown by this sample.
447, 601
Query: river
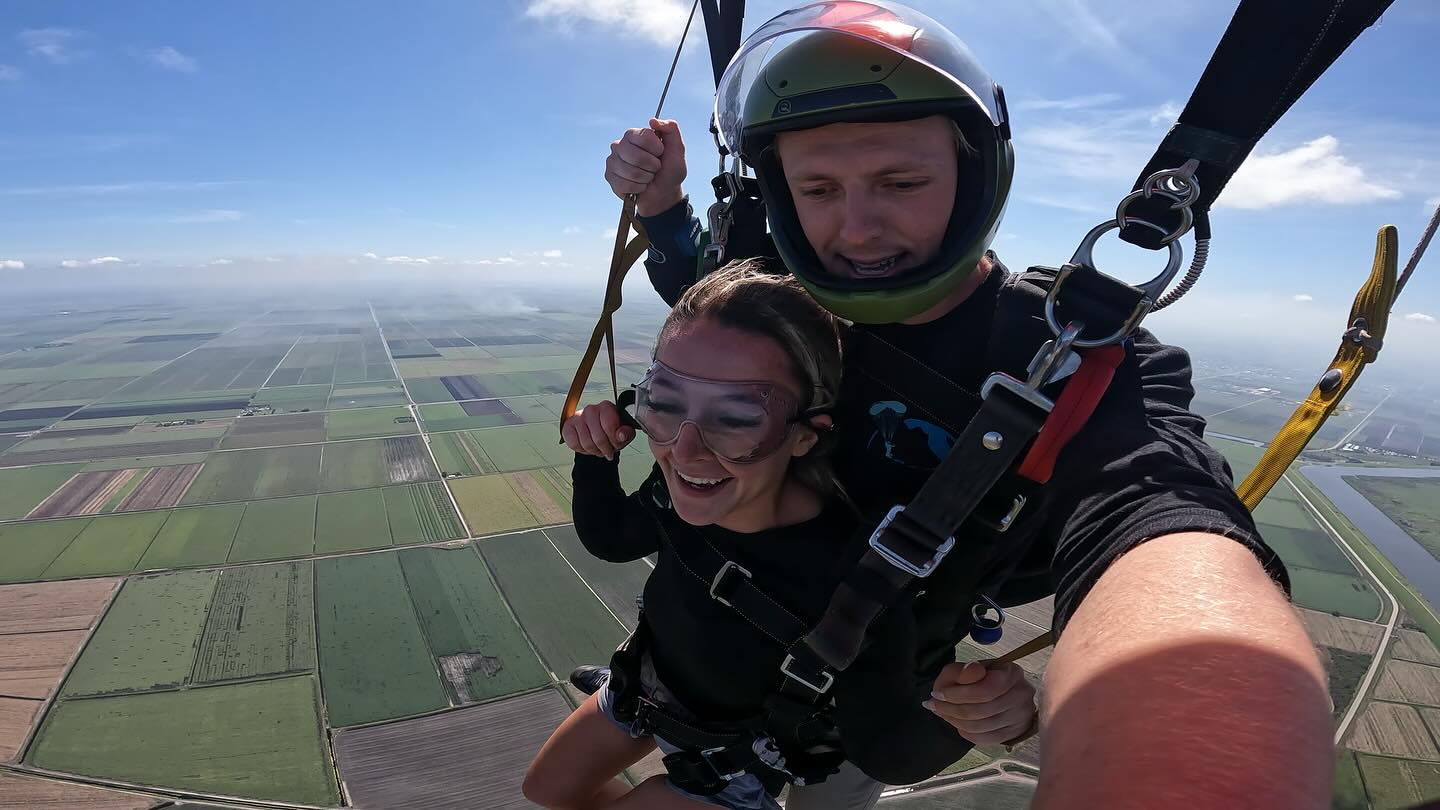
1417, 565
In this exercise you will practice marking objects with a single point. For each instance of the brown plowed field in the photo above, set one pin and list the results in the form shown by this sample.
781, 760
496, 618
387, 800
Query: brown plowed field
161, 487
49, 606
28, 793
83, 494
16, 715
406, 461
1414, 646
1394, 729
31, 663
542, 506
1346, 634
1410, 683
467, 758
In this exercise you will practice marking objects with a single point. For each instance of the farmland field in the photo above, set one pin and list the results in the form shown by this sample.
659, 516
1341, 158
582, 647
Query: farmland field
266, 431
160, 487
491, 505
147, 639
1396, 783
478, 647
524, 447
365, 423
199, 535
274, 529
85, 494
29, 548
1327, 592
1393, 729
262, 739
261, 623
377, 463
421, 513
560, 615
460, 454
617, 584
1413, 503
351, 520
374, 662
244, 474
110, 544
23, 488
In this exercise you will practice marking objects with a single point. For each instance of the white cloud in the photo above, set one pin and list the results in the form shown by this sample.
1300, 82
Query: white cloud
1420, 317
171, 59
1168, 114
220, 262
659, 21
9, 73
571, 230
608, 235
507, 260
1063, 203
207, 216
406, 260
1315, 172
552, 254
369, 256
11, 264
1302, 297
52, 44
118, 188
1072, 103
1430, 206
71, 263
106, 260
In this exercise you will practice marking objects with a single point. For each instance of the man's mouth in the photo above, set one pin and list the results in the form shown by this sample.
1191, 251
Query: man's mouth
873, 269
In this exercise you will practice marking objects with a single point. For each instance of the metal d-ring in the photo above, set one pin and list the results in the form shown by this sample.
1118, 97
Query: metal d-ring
1177, 185
1084, 257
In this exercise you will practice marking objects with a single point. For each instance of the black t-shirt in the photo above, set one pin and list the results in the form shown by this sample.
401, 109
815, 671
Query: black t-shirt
719, 666
1139, 468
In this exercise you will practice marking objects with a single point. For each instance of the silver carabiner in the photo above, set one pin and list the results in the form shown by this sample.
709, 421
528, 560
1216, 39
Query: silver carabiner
1177, 185
1084, 257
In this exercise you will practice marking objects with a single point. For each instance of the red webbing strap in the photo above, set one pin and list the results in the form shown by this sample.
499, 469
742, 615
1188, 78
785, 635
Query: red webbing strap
1072, 410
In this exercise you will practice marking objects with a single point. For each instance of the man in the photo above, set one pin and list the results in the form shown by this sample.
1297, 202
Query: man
1181, 675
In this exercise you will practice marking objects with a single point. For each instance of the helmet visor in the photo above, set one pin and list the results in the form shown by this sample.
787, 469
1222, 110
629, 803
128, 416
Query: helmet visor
738, 421
896, 27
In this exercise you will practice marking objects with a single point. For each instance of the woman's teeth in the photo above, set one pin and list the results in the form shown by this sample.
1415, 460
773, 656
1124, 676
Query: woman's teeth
700, 482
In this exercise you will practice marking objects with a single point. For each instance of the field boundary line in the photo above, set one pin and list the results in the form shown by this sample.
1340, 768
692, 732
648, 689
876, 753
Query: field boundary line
1238, 407
419, 424
586, 583
40, 715
151, 791
1381, 652
1358, 425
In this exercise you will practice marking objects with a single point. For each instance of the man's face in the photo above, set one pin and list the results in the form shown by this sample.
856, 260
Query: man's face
874, 199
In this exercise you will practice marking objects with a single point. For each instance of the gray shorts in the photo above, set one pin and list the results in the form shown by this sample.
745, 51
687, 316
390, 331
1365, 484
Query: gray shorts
744, 792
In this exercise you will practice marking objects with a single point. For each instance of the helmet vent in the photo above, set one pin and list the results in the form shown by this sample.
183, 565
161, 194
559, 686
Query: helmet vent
876, 68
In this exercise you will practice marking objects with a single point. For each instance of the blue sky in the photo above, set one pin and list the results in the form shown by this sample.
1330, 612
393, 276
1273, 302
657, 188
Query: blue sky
174, 135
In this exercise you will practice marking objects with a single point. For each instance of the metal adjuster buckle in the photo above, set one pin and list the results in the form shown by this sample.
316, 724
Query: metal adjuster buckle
706, 753
818, 688
719, 579
895, 559
1005, 521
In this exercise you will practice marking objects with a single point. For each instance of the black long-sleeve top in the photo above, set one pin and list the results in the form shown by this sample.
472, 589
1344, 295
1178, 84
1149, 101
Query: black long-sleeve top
719, 666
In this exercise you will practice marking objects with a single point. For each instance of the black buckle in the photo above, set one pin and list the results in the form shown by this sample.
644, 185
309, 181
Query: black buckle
719, 582
897, 559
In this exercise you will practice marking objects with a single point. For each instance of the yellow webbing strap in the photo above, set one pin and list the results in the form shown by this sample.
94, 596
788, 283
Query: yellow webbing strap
622, 258
1365, 331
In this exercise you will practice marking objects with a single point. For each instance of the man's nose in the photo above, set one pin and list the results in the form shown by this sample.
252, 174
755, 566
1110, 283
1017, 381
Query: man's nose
862, 223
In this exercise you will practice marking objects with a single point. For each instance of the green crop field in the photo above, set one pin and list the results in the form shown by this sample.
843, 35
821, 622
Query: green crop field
375, 463
557, 482
1349, 791
374, 662
148, 637
1399, 783
367, 395
367, 423
524, 447
23, 488
421, 513
240, 475
262, 621
1413, 503
617, 585
563, 619
261, 740
111, 544
274, 529
293, 399
27, 549
460, 454
491, 505
146, 462
1334, 593
351, 520
199, 535
451, 416
480, 650
427, 389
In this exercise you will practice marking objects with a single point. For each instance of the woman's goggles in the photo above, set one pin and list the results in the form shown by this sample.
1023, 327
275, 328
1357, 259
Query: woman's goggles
737, 421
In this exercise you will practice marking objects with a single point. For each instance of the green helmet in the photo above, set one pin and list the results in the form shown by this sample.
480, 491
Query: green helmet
860, 62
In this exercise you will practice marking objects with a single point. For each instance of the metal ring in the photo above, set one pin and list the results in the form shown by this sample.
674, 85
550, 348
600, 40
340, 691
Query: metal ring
1187, 217
1084, 257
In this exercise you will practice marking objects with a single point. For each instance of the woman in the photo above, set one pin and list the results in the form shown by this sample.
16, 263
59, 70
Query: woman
735, 408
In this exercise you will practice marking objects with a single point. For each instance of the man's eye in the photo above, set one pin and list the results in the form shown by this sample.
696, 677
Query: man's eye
814, 193
908, 185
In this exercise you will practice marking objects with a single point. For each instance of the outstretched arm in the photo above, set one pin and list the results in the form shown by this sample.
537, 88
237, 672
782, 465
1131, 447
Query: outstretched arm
1185, 679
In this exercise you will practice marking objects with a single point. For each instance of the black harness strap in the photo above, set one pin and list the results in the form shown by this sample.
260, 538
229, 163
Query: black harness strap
723, 21
1271, 53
